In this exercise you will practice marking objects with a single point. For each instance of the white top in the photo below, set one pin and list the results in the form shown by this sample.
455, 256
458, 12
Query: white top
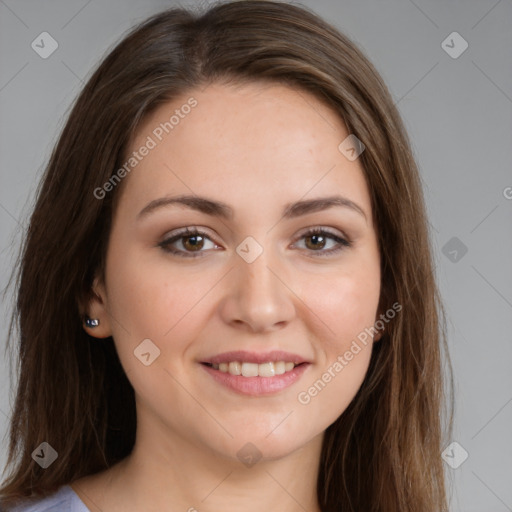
64, 499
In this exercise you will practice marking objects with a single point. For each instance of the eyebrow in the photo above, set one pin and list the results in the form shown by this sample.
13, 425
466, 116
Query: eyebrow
224, 211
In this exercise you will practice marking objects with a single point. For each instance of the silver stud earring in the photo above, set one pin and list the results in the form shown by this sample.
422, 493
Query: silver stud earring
91, 322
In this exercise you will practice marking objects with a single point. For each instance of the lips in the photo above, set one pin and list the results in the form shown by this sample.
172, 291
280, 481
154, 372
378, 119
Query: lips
256, 373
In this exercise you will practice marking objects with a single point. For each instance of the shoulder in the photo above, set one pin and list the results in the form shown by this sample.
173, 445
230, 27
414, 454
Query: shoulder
63, 500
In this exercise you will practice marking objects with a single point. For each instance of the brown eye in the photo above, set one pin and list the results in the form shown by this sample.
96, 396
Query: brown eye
188, 243
193, 243
315, 242
322, 242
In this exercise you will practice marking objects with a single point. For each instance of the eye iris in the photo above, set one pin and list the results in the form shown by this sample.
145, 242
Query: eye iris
194, 246
316, 239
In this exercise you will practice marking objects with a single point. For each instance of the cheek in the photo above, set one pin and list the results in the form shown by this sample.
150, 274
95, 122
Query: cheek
333, 388
150, 298
147, 301
347, 307
344, 304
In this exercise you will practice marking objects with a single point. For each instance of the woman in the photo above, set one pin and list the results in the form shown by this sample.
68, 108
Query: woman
225, 298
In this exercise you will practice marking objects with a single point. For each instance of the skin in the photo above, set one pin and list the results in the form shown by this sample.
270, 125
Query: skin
256, 147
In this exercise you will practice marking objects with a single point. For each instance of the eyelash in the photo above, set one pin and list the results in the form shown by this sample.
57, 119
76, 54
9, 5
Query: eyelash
166, 245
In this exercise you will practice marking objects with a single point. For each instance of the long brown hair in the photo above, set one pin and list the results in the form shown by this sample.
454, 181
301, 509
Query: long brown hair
383, 453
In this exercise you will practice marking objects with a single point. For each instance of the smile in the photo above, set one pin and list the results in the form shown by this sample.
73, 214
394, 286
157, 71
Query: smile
254, 383
245, 369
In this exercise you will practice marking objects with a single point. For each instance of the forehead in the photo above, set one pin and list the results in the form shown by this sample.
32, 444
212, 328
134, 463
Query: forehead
263, 141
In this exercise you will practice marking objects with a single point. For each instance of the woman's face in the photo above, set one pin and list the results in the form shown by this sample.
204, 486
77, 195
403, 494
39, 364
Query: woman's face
257, 168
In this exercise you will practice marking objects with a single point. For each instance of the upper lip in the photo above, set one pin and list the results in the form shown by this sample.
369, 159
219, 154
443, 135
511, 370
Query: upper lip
255, 357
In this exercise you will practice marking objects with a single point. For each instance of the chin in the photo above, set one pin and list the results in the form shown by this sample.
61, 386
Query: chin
265, 446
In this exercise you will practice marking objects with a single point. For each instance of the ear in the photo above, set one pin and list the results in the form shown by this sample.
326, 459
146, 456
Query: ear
96, 307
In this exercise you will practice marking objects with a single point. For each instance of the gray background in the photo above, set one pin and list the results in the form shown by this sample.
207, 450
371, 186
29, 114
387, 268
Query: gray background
457, 112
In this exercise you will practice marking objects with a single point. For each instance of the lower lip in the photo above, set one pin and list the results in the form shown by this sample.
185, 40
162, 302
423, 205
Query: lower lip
257, 386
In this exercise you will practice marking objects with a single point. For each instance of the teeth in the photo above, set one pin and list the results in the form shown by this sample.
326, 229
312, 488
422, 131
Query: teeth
235, 368
253, 369
250, 369
280, 367
266, 370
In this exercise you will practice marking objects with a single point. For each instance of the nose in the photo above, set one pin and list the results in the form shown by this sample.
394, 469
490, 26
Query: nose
258, 297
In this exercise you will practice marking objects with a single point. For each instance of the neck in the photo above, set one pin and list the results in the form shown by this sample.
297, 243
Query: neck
168, 473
